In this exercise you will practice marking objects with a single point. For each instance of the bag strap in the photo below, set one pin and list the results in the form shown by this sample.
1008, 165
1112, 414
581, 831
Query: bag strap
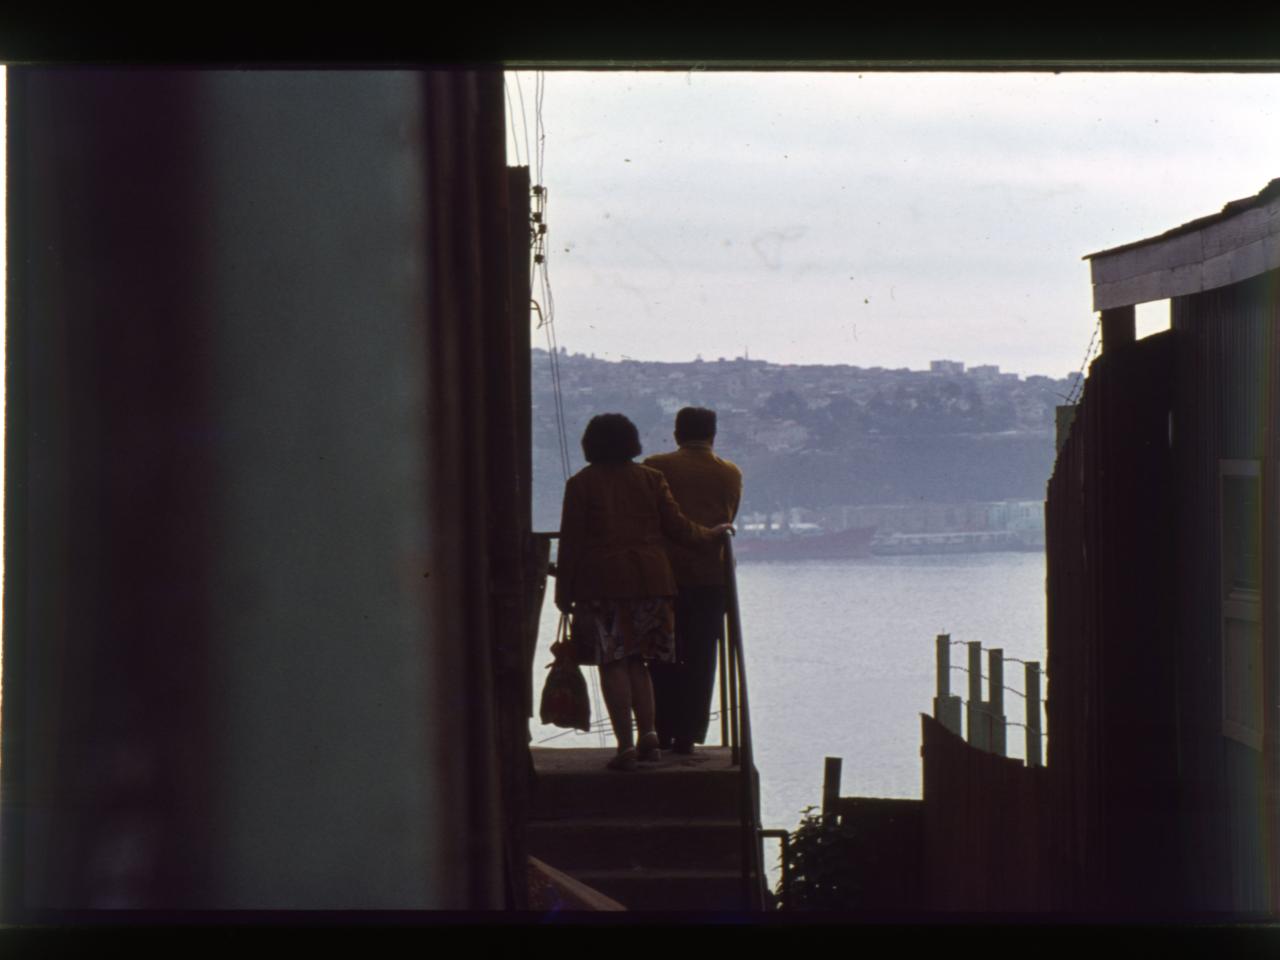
560, 649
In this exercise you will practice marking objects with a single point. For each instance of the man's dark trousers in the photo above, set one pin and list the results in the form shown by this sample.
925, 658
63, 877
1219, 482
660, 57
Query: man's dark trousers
682, 691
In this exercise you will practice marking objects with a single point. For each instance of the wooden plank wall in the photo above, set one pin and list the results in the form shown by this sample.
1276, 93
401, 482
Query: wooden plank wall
1219, 254
1228, 364
985, 824
1112, 705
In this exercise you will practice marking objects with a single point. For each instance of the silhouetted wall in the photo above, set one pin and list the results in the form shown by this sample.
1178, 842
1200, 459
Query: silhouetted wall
1110, 535
247, 634
1228, 410
1160, 809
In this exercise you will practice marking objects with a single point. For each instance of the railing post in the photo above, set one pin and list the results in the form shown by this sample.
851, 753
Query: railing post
1034, 755
733, 641
995, 702
722, 655
977, 732
946, 708
753, 873
944, 666
735, 738
830, 787
722, 659
784, 839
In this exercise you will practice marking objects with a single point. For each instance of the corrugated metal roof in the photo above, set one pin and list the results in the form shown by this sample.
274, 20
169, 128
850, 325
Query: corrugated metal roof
1266, 194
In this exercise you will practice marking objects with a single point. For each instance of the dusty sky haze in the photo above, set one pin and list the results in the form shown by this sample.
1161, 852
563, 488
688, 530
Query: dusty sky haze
877, 219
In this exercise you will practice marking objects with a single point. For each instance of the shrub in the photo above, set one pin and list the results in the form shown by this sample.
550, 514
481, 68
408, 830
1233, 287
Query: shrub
820, 866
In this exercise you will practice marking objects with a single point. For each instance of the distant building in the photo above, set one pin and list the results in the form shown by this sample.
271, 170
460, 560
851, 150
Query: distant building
946, 366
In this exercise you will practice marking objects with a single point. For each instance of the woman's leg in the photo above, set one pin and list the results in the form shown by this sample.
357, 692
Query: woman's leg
641, 694
616, 684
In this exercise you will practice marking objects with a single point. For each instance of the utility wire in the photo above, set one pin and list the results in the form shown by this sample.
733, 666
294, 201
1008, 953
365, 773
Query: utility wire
511, 114
546, 310
539, 132
524, 120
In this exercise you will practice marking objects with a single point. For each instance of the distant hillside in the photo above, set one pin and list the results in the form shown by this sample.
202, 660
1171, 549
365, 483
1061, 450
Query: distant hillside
817, 436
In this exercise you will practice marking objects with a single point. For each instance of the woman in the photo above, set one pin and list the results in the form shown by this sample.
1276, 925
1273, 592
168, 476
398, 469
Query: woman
612, 572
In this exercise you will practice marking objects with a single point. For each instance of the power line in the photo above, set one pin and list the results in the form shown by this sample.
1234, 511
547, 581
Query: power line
524, 120
511, 114
539, 132
539, 275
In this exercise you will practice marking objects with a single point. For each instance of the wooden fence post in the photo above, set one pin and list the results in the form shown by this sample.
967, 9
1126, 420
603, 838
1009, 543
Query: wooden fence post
1034, 755
976, 719
943, 643
830, 787
946, 708
995, 700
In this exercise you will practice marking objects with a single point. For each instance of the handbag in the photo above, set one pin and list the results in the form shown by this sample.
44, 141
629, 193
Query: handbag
564, 693
576, 638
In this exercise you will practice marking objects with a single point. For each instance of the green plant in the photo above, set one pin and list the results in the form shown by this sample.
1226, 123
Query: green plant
820, 863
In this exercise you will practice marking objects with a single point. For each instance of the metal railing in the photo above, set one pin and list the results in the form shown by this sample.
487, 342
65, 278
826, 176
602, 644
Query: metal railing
735, 732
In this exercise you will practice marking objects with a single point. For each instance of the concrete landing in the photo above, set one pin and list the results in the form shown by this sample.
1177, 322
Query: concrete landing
593, 760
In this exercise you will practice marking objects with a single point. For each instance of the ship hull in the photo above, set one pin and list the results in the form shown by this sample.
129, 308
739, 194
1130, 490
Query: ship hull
842, 545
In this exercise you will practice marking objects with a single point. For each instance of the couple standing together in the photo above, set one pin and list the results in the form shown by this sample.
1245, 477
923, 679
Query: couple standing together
641, 568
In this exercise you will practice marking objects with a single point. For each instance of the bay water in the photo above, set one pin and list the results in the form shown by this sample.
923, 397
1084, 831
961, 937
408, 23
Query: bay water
840, 659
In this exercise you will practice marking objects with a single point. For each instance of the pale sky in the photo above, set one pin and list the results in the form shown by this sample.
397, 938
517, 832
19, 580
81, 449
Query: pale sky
876, 219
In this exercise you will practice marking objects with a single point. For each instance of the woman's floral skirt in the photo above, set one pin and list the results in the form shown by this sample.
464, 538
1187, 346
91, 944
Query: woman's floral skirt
631, 626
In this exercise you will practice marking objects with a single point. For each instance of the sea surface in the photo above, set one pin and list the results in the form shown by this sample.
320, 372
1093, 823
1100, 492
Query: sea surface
840, 658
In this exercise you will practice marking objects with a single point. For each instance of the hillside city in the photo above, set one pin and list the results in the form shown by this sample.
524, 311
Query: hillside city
825, 447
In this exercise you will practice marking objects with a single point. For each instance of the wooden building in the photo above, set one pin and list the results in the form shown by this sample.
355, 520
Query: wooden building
1164, 585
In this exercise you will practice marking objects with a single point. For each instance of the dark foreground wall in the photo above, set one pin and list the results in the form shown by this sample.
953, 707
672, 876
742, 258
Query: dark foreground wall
1228, 564
246, 656
1162, 591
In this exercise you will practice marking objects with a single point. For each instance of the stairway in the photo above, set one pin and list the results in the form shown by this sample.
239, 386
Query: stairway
667, 837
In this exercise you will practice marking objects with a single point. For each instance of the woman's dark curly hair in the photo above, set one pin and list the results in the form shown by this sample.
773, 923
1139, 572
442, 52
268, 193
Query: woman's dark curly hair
610, 438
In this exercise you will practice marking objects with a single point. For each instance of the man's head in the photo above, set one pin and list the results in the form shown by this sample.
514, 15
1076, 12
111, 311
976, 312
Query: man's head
695, 423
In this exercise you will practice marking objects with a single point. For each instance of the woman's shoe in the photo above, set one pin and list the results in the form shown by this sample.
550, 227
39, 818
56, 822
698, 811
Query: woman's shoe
626, 761
649, 749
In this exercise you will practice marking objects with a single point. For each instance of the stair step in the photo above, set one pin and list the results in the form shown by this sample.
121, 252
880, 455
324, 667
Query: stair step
668, 890
604, 842
574, 784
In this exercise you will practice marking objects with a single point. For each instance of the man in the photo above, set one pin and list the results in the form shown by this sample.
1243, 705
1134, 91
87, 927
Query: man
708, 490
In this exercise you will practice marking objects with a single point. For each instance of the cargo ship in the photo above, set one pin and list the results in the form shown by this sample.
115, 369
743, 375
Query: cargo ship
839, 545
975, 541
